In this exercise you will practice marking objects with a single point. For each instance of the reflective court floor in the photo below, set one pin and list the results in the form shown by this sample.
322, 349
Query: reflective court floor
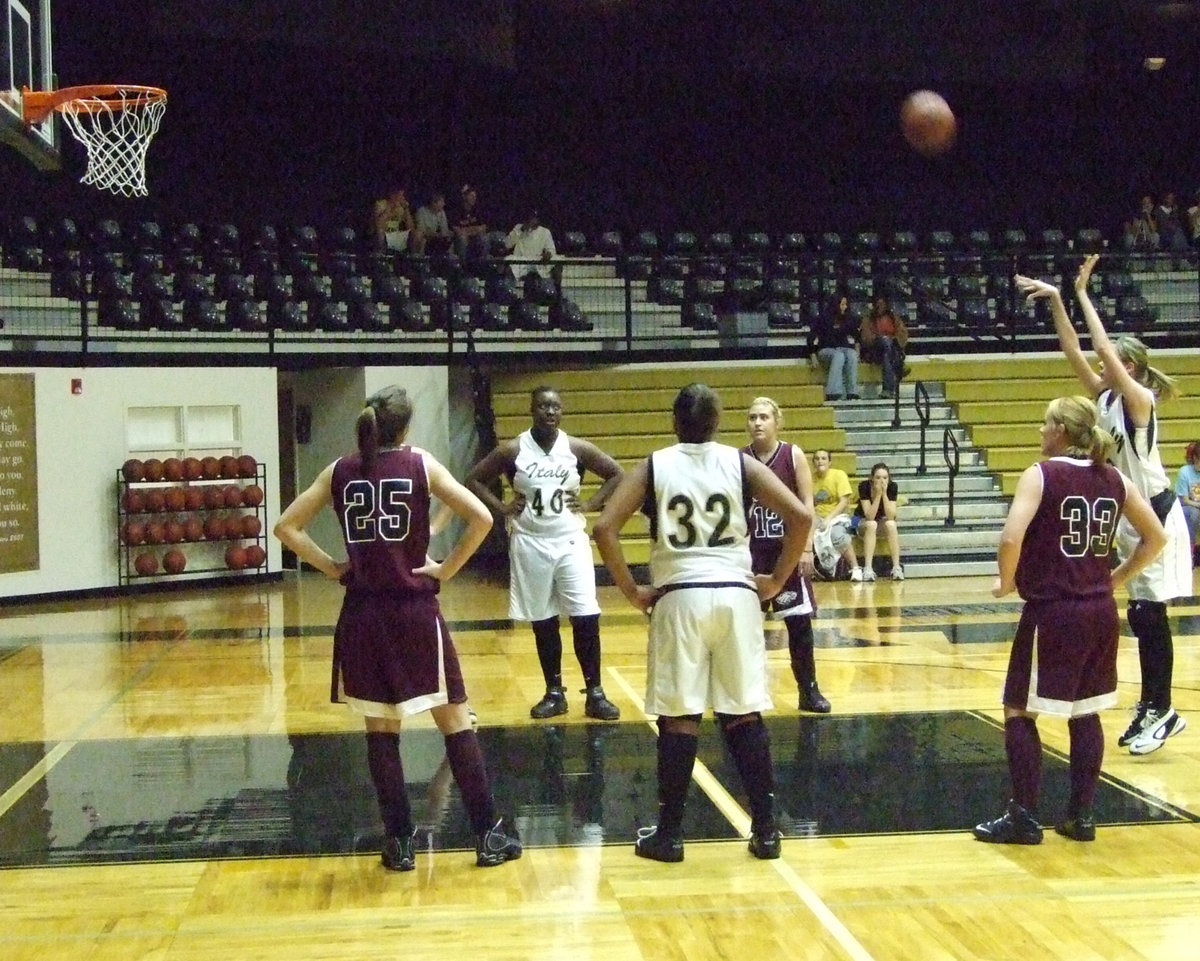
175, 784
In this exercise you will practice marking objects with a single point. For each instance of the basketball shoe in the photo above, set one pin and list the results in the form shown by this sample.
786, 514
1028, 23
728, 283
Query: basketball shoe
658, 847
766, 844
1014, 826
398, 854
1080, 826
1158, 726
1135, 725
552, 704
496, 845
598, 706
812, 700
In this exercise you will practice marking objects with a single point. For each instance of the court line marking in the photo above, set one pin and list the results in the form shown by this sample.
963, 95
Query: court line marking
733, 812
33, 775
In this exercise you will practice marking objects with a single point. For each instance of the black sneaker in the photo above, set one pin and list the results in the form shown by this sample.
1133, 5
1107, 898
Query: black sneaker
552, 704
496, 845
598, 706
398, 854
1135, 726
1014, 826
658, 847
1078, 827
766, 845
813, 701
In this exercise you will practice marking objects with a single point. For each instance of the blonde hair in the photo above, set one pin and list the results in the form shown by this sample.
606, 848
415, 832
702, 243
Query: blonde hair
1080, 420
767, 402
1133, 351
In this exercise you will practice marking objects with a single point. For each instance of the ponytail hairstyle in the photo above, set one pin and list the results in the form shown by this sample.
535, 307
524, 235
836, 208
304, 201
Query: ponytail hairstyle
1080, 421
1133, 351
382, 423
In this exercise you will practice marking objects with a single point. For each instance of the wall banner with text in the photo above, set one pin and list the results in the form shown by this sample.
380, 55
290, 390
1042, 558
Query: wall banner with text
18, 475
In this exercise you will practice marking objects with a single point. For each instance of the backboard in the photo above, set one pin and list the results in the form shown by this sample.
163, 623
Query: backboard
26, 61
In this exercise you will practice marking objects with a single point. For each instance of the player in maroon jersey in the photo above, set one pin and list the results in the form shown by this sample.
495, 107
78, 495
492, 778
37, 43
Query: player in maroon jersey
1055, 552
795, 604
392, 653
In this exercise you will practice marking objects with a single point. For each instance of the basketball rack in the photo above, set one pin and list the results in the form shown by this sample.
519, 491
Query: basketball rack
114, 122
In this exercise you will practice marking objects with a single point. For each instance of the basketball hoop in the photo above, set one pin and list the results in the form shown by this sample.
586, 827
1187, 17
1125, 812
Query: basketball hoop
115, 122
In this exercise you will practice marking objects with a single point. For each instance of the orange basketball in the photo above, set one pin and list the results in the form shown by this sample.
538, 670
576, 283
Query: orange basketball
233, 496
134, 501
193, 498
247, 466
172, 534
928, 123
133, 533
235, 557
193, 529
176, 498
154, 469
172, 471
214, 496
252, 495
174, 562
229, 467
133, 470
156, 500
255, 556
145, 563
214, 529
156, 532
210, 467
251, 526
192, 469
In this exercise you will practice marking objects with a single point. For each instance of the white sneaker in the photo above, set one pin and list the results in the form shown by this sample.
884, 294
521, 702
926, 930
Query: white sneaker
868, 574
856, 575
898, 572
1158, 726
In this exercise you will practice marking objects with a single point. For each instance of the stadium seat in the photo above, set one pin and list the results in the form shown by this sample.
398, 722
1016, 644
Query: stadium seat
69, 283
793, 243
469, 290
866, 242
682, 243
539, 290
1133, 310
719, 242
974, 311
1089, 240
202, 314
350, 289
1053, 241
503, 290
233, 287
705, 290
665, 290
287, 315
710, 267
152, 284
310, 287
968, 287
645, 243
755, 242
433, 290
781, 315
329, 315
857, 266
675, 267
902, 242
780, 265
106, 236
112, 284
526, 316
783, 290
158, 313
118, 312
245, 315
365, 315
489, 316
860, 288
573, 244
147, 237
941, 242
1117, 283
830, 243
698, 315
410, 316
978, 241
186, 239
272, 287
191, 285
569, 316
609, 244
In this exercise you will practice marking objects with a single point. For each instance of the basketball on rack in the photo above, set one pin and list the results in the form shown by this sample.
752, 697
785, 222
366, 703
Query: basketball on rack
146, 563
172, 533
133, 533
928, 123
252, 495
192, 469
173, 469
229, 467
247, 466
134, 501
235, 557
153, 469
250, 526
233, 496
133, 470
174, 562
193, 529
210, 467
156, 500
176, 498
255, 556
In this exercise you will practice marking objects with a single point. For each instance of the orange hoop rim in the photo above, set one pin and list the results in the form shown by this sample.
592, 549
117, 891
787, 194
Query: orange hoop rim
36, 105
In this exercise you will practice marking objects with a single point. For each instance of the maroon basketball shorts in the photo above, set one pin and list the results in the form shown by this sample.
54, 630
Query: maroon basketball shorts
1064, 657
393, 655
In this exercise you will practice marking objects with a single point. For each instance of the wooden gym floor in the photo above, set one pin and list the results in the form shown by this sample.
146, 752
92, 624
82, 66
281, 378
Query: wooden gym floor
175, 785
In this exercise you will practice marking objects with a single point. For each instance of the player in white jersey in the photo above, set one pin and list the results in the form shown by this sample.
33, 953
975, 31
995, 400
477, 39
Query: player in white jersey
1128, 389
706, 646
550, 560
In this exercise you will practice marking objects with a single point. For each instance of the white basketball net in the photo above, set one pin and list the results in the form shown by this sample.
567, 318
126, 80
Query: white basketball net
116, 130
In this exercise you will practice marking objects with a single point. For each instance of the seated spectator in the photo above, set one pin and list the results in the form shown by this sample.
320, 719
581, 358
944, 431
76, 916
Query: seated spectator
470, 232
531, 249
877, 507
1141, 233
832, 537
884, 338
1169, 224
833, 342
1193, 215
432, 235
1187, 486
392, 222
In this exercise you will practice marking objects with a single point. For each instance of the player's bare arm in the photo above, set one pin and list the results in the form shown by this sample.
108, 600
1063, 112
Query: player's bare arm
603, 466
291, 527
797, 519
500, 462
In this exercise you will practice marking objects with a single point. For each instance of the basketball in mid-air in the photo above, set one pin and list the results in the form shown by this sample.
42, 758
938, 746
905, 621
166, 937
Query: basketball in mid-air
928, 123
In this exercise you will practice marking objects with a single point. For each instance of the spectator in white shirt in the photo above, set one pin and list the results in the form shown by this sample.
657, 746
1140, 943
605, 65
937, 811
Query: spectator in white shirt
531, 248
